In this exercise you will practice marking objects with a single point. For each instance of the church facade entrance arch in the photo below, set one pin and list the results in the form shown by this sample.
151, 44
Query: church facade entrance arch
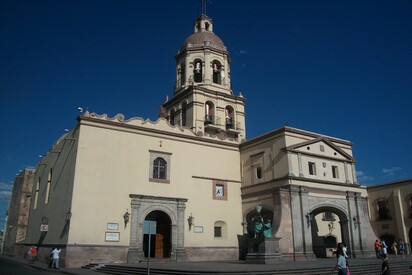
329, 226
160, 238
297, 215
168, 213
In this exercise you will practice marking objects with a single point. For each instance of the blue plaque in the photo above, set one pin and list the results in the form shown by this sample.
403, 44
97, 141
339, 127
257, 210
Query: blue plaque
149, 227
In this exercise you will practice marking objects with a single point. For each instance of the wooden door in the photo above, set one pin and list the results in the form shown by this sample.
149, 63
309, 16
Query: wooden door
159, 251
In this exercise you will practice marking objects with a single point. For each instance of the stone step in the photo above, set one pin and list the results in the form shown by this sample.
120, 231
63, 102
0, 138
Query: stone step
398, 268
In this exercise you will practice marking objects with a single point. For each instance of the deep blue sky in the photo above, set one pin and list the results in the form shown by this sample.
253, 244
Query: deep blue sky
340, 68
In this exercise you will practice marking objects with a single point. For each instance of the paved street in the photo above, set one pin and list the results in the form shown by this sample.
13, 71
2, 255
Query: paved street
9, 267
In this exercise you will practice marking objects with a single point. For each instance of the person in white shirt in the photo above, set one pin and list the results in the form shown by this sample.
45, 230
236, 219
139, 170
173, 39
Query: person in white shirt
344, 250
55, 255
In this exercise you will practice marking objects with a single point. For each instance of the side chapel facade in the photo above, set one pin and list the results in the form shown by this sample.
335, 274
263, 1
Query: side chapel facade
194, 175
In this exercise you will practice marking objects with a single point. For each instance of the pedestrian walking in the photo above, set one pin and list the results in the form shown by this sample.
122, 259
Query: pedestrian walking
385, 266
32, 254
378, 249
395, 248
401, 248
341, 264
55, 262
384, 247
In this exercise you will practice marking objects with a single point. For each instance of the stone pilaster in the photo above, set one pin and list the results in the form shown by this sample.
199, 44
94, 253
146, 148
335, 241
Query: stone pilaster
290, 165
135, 253
300, 165
180, 231
354, 224
306, 217
346, 172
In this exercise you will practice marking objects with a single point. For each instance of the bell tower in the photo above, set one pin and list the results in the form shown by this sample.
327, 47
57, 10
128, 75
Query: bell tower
203, 99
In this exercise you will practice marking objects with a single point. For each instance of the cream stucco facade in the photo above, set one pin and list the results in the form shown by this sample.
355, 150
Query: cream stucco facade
296, 175
195, 176
391, 211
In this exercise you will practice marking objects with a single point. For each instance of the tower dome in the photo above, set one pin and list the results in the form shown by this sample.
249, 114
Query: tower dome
203, 36
201, 39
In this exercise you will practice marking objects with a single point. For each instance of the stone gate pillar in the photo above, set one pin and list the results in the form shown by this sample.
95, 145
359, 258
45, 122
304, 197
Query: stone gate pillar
306, 223
366, 234
135, 253
180, 233
302, 241
354, 224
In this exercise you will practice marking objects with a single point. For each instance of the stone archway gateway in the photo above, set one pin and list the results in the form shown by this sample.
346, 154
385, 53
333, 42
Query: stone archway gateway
169, 214
338, 230
294, 209
160, 238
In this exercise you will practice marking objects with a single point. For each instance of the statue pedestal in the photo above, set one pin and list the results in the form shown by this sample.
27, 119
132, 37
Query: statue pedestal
263, 251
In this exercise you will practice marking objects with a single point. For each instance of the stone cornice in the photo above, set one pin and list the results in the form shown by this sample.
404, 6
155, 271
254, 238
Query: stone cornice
161, 127
399, 183
184, 92
324, 139
156, 198
287, 129
247, 191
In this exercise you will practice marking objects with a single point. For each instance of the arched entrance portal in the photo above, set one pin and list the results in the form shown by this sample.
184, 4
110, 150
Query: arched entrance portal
160, 242
329, 226
389, 240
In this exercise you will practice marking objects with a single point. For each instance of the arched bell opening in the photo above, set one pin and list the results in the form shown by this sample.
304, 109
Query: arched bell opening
198, 71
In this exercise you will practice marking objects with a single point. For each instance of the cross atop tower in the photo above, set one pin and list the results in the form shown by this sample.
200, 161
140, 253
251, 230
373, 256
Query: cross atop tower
204, 3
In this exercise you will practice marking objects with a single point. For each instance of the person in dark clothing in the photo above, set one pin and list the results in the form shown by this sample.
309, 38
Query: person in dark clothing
385, 265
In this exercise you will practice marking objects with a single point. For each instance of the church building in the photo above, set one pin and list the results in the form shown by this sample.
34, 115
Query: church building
186, 187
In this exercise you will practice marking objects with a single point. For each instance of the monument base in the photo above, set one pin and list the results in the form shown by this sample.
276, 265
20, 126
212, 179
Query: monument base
263, 251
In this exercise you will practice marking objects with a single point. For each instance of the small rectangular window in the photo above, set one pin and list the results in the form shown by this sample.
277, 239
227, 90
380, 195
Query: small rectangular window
312, 168
218, 232
36, 194
258, 172
335, 172
49, 179
219, 190
159, 167
383, 210
410, 207
328, 216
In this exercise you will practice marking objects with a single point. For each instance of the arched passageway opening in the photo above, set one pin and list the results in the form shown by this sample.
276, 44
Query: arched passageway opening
329, 226
389, 239
160, 240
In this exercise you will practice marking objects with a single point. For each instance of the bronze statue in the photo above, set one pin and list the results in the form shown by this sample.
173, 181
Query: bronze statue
263, 227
